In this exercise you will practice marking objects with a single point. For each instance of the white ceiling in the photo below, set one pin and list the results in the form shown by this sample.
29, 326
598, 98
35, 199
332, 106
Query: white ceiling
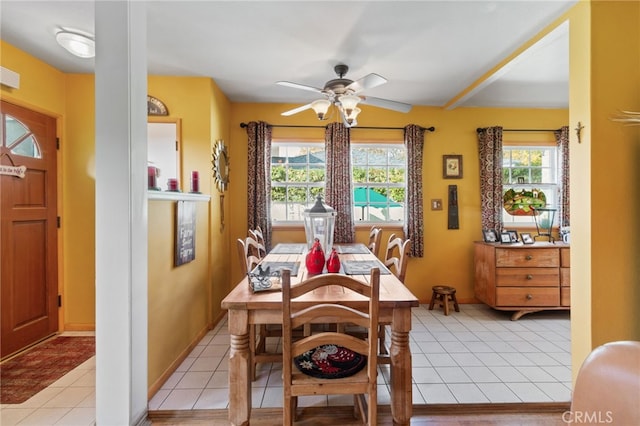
430, 51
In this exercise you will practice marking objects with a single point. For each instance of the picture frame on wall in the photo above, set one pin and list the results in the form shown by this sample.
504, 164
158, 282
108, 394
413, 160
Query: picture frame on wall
452, 166
185, 238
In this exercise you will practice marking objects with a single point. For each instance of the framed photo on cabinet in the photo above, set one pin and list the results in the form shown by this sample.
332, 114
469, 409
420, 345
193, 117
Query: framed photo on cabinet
452, 166
489, 236
526, 238
505, 238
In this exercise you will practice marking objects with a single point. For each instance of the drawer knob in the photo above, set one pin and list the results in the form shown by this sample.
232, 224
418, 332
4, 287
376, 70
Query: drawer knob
529, 297
529, 276
528, 257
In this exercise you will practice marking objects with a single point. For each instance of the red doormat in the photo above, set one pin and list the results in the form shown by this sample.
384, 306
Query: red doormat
30, 372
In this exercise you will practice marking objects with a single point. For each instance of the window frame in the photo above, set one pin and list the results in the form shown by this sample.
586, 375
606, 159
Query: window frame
354, 144
551, 189
308, 185
388, 185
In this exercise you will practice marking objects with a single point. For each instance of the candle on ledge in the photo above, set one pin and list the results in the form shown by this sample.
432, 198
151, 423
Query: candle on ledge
172, 184
153, 175
195, 183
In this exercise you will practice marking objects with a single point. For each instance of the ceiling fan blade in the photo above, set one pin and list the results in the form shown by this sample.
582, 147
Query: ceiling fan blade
299, 86
386, 103
367, 82
296, 110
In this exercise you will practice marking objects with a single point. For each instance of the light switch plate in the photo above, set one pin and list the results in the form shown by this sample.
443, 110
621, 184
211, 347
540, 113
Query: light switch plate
436, 204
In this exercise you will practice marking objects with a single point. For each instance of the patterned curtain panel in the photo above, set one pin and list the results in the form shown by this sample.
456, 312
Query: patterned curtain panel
490, 150
259, 178
414, 211
562, 138
339, 194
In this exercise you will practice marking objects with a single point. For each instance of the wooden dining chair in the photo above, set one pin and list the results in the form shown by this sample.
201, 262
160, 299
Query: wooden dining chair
257, 340
375, 238
257, 235
397, 256
396, 259
330, 362
247, 248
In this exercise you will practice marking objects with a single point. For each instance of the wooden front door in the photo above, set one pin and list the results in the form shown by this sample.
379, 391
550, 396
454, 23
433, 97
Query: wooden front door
28, 228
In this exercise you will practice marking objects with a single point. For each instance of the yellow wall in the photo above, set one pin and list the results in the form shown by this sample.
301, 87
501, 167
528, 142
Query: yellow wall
179, 304
605, 79
448, 253
78, 149
615, 156
221, 250
42, 87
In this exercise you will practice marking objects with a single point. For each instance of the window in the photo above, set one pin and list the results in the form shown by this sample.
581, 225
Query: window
378, 180
297, 177
529, 179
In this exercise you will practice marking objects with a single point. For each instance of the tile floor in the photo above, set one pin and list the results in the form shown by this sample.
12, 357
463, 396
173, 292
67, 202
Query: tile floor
474, 356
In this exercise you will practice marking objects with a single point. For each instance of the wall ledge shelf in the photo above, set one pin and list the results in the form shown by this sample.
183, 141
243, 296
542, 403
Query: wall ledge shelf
176, 196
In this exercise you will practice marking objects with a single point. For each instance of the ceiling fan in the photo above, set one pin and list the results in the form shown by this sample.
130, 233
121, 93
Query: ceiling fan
345, 95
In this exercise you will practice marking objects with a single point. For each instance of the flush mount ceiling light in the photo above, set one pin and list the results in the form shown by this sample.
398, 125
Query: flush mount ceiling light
77, 44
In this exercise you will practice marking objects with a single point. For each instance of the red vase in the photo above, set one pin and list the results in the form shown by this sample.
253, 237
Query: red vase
315, 259
333, 264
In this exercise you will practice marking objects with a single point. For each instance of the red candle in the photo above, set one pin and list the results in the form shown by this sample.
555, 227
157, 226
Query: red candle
172, 184
195, 184
153, 173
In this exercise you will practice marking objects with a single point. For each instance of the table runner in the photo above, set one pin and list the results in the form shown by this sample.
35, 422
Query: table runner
352, 249
276, 267
363, 267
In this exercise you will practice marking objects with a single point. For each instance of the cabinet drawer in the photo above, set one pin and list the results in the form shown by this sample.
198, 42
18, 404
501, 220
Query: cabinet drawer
565, 257
565, 296
527, 296
525, 277
565, 277
528, 258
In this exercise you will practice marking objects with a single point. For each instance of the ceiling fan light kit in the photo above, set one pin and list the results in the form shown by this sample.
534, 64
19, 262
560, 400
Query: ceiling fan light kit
320, 107
344, 94
348, 102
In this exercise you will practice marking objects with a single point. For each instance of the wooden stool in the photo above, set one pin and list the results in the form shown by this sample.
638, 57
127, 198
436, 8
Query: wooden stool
443, 295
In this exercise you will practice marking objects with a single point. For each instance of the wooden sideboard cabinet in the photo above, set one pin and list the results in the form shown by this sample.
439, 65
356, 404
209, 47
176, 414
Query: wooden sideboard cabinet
523, 277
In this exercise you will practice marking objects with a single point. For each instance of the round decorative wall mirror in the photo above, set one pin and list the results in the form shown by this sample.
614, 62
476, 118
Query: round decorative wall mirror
220, 163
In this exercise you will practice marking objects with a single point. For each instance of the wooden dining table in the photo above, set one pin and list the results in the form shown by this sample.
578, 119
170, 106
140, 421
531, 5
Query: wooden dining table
247, 308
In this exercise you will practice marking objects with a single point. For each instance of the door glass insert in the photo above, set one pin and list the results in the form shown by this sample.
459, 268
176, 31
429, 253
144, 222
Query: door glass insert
19, 139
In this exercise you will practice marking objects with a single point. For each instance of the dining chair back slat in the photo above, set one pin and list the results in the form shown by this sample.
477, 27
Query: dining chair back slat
257, 235
397, 256
375, 238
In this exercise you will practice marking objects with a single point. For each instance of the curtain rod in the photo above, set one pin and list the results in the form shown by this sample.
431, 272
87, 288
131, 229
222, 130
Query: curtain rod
430, 129
479, 129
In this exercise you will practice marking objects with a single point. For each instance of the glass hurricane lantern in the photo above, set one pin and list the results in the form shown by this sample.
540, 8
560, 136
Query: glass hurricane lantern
544, 222
319, 222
